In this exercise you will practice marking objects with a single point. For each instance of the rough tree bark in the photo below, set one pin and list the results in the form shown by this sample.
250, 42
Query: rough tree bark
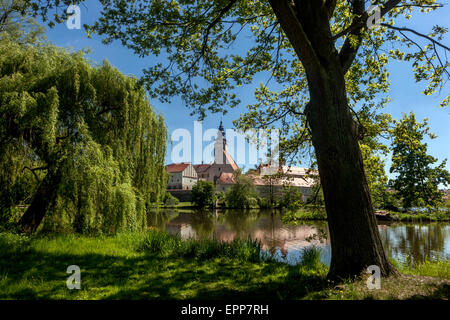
42, 200
355, 240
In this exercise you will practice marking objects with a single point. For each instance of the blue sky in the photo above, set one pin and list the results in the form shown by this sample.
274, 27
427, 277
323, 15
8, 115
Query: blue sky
405, 92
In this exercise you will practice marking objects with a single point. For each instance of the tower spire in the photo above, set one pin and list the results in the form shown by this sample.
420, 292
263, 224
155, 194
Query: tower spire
221, 129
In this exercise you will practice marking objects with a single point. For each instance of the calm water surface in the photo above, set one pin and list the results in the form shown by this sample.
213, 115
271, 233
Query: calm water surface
412, 241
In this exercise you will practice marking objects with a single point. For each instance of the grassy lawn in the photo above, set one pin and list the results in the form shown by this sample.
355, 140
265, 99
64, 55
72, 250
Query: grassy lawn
179, 205
421, 216
304, 214
320, 214
155, 265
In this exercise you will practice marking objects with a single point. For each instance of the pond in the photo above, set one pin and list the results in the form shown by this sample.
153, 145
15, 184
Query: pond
412, 241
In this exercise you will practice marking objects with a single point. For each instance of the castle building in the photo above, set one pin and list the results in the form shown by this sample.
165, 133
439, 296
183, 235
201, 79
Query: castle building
269, 180
183, 176
223, 162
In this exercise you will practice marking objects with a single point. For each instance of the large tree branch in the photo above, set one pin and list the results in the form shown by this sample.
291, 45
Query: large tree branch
349, 49
211, 25
434, 42
295, 33
361, 21
416, 33
331, 5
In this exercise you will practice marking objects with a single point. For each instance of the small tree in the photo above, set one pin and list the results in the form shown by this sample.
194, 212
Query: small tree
242, 192
417, 182
203, 194
292, 199
170, 200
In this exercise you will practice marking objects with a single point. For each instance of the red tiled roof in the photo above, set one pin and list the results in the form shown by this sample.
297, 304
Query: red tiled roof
226, 178
230, 160
177, 167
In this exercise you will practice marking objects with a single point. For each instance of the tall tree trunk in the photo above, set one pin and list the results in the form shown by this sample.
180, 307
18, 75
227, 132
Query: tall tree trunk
355, 240
42, 200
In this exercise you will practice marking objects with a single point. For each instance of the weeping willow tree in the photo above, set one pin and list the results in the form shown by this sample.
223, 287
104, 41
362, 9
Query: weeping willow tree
82, 149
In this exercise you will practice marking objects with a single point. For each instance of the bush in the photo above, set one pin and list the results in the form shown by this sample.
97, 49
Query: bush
292, 199
221, 199
203, 194
253, 203
265, 203
170, 200
242, 194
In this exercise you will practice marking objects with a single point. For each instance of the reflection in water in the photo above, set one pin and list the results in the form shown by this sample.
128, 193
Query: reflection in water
417, 242
414, 242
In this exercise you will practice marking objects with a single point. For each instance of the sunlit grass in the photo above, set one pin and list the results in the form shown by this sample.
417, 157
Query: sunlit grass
304, 214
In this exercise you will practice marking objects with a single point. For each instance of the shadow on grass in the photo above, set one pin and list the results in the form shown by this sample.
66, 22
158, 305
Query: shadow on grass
28, 272
439, 292
31, 274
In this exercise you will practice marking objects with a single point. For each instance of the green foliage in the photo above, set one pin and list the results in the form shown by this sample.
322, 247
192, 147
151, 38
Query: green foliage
17, 24
221, 199
292, 199
242, 193
439, 268
265, 203
203, 194
197, 40
304, 214
91, 125
317, 195
122, 266
447, 203
164, 244
417, 181
311, 257
170, 200
434, 215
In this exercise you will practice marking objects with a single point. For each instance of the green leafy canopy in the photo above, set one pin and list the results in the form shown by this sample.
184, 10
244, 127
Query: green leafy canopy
211, 48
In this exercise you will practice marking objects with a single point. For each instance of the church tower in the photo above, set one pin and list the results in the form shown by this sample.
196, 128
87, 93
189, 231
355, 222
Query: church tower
220, 146
224, 165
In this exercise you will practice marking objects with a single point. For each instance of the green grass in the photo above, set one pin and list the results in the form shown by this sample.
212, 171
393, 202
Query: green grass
304, 214
164, 244
155, 265
421, 216
179, 205
320, 214
440, 269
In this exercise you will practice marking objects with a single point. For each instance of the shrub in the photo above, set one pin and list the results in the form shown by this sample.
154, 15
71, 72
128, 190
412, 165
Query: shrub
221, 199
170, 200
265, 203
292, 199
203, 194
242, 194
253, 203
